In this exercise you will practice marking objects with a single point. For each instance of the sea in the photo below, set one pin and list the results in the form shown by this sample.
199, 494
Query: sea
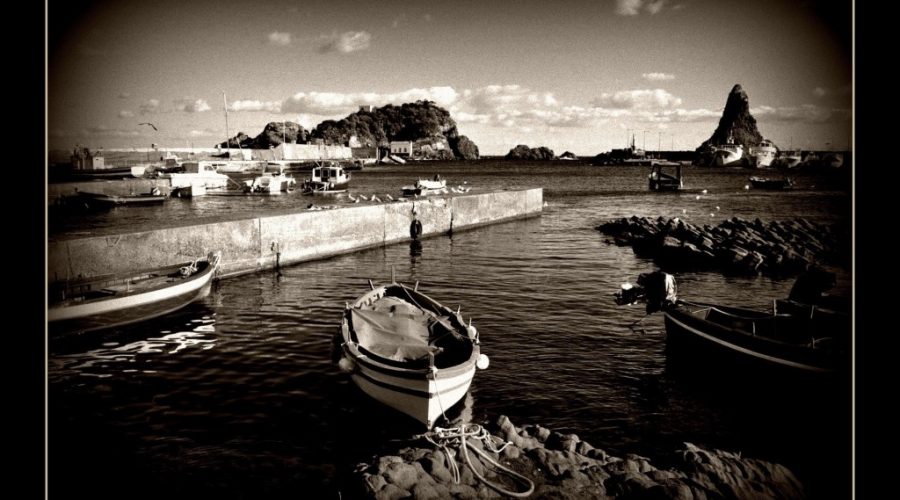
235, 396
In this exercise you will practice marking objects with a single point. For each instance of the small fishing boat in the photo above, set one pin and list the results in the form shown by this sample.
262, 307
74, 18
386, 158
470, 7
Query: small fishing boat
665, 176
770, 183
114, 300
424, 187
408, 351
272, 181
100, 200
794, 338
327, 178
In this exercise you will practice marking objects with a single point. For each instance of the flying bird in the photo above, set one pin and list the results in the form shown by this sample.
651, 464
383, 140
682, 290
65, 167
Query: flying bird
152, 125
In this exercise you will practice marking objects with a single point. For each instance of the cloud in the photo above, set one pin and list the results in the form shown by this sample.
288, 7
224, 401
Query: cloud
331, 103
125, 114
149, 106
124, 95
658, 77
634, 7
806, 113
255, 105
819, 92
202, 133
637, 99
191, 106
349, 41
279, 38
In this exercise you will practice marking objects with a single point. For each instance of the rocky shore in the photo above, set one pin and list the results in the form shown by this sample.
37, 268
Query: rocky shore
735, 246
563, 466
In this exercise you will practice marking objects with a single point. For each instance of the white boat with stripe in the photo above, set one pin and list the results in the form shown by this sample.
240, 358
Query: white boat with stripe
408, 351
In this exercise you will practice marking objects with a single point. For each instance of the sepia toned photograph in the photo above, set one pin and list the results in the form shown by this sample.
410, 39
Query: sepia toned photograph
343, 249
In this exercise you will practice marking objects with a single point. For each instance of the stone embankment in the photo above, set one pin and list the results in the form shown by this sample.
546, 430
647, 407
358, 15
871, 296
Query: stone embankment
563, 466
735, 246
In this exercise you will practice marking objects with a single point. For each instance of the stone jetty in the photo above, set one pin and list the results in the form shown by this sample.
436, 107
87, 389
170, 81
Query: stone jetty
563, 466
735, 246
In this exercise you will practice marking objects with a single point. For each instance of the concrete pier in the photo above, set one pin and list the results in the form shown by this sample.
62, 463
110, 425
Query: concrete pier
251, 245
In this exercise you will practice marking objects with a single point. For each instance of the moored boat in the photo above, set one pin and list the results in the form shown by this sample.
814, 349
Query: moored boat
272, 181
424, 187
327, 178
762, 155
770, 183
789, 159
408, 351
197, 177
101, 200
665, 176
114, 300
728, 155
794, 338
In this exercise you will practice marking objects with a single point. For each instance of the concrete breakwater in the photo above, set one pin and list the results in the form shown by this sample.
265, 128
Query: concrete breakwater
264, 242
736, 245
564, 466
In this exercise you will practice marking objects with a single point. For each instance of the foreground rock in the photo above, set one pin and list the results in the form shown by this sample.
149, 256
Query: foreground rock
735, 246
564, 466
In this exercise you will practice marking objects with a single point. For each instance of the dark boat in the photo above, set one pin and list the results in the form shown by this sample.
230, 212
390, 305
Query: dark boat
793, 338
767, 183
110, 200
114, 300
665, 176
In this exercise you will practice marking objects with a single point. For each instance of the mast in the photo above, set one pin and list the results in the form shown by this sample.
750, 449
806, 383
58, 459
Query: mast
227, 135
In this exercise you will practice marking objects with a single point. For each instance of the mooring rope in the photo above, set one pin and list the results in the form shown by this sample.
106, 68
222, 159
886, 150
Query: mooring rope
457, 437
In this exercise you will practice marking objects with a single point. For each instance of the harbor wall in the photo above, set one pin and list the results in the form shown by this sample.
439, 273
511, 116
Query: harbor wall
255, 244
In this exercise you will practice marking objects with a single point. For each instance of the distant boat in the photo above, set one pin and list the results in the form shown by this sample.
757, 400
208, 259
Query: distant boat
728, 155
326, 178
763, 155
272, 181
197, 178
407, 351
115, 300
833, 160
665, 176
773, 184
789, 159
424, 187
101, 200
397, 159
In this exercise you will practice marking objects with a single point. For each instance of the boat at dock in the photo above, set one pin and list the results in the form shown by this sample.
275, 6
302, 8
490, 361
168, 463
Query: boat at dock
728, 155
793, 338
100, 200
408, 351
770, 183
107, 301
272, 181
198, 178
327, 178
788, 159
763, 155
424, 187
666, 176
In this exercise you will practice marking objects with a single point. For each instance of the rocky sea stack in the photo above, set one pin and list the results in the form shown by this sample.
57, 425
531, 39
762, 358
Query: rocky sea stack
736, 123
523, 152
429, 126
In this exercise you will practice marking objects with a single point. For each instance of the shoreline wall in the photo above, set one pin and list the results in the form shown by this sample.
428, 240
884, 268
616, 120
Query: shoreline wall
252, 245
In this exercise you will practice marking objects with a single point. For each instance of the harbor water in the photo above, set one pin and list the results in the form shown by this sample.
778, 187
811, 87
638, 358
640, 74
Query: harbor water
235, 396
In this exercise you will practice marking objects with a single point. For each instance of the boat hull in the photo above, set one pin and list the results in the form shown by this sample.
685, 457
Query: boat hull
124, 307
422, 390
690, 339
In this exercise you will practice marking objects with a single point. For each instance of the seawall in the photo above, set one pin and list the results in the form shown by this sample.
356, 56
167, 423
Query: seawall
251, 245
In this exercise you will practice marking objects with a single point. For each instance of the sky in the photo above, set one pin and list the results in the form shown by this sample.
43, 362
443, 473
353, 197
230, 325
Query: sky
579, 76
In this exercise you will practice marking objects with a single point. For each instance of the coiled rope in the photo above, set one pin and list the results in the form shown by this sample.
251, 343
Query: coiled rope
456, 437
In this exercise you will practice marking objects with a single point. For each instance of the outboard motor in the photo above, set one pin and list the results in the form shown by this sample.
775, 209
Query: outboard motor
657, 289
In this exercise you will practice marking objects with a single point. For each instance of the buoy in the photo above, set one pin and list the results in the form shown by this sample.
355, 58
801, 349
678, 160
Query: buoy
346, 365
746, 186
483, 362
698, 197
717, 207
684, 210
704, 191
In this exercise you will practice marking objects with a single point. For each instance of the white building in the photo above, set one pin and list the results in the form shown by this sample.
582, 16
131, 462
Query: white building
404, 148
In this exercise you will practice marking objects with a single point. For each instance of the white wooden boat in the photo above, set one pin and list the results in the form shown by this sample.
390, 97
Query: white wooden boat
408, 351
116, 300
327, 178
424, 187
272, 181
